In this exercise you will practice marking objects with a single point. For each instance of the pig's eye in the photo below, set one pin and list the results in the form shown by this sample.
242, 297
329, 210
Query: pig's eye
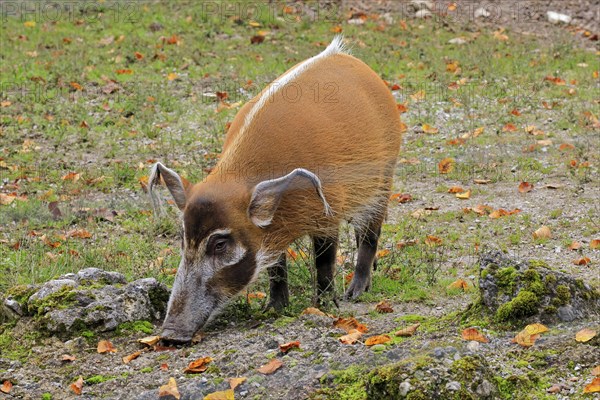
219, 245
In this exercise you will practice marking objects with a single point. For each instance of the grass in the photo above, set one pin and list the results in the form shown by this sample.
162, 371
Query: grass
63, 114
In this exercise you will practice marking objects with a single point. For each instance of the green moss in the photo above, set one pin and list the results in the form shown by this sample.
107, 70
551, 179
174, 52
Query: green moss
550, 279
538, 264
523, 305
348, 384
21, 293
62, 298
283, 321
550, 310
159, 299
465, 368
218, 381
16, 348
146, 370
563, 293
96, 379
506, 279
484, 273
46, 396
145, 327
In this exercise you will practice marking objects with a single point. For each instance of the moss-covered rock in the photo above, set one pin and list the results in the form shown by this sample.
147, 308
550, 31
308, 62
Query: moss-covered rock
512, 291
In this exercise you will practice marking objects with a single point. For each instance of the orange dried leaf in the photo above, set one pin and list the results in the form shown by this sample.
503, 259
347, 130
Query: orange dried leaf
402, 108
71, 176
170, 389
459, 284
384, 307
525, 339
256, 295
542, 233
482, 181
430, 129
352, 337
534, 329
593, 387
124, 71
582, 261
585, 335
525, 187
383, 253
464, 196
270, 367
379, 339
474, 334
79, 233
164, 367
596, 371
288, 346
350, 324
222, 395
131, 357
574, 246
77, 386
6, 387
595, 244
433, 240
456, 189
171, 76
105, 346
314, 311
67, 357
235, 382
198, 366
408, 331
149, 340
509, 128
446, 165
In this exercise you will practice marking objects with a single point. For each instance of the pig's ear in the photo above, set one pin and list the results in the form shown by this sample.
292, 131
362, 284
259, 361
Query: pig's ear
177, 185
268, 194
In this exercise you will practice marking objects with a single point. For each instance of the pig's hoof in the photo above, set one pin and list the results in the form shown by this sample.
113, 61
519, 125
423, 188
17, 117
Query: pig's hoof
276, 304
169, 337
356, 289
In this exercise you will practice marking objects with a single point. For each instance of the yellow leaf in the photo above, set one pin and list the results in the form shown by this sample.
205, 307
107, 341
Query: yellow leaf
593, 387
525, 339
351, 338
418, 96
430, 129
464, 196
270, 367
149, 340
172, 76
235, 382
534, 329
105, 346
197, 366
170, 389
29, 24
379, 339
222, 395
408, 331
474, 334
459, 284
131, 357
446, 165
585, 335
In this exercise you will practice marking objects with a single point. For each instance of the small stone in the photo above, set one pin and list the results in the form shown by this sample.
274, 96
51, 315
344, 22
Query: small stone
457, 41
473, 346
404, 388
423, 14
481, 13
438, 352
566, 314
453, 386
485, 389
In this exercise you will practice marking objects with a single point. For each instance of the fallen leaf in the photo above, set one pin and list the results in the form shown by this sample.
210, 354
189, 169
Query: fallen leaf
77, 386
164, 367
270, 367
379, 339
566, 147
542, 233
554, 389
574, 246
430, 129
516, 112
585, 335
509, 128
170, 389
235, 382
288, 346
6, 199
525, 187
6, 387
482, 181
124, 71
534, 329
79, 233
382, 253
351, 338
384, 307
596, 371
401, 197
222, 395
474, 334
525, 339
582, 261
593, 387
171, 76
105, 346
257, 39
408, 331
256, 295
446, 165
315, 311
350, 324
67, 357
456, 189
464, 196
71, 176
595, 244
198, 366
459, 284
149, 340
131, 357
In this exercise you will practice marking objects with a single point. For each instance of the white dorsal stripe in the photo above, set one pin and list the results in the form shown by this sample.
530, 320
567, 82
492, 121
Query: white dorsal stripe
335, 47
